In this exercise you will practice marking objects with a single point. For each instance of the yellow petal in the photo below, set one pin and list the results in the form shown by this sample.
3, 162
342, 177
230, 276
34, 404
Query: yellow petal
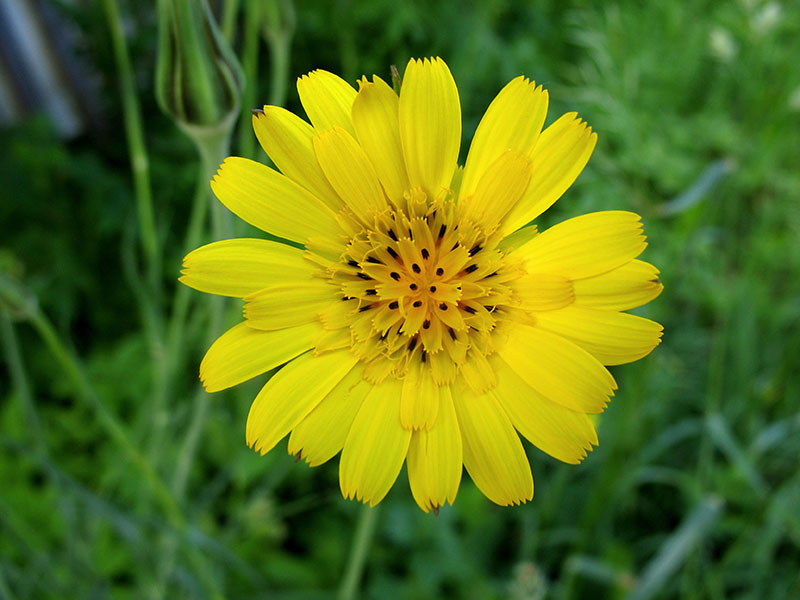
585, 246
349, 172
272, 202
376, 445
498, 190
321, 435
242, 352
376, 121
419, 404
493, 454
287, 305
286, 139
543, 291
435, 458
242, 266
430, 124
292, 393
613, 338
327, 100
631, 285
513, 121
562, 433
556, 368
478, 374
559, 156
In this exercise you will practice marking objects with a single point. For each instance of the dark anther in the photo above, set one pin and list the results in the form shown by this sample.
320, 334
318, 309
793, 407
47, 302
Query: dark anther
425, 253
365, 307
391, 251
412, 344
393, 235
440, 271
395, 275
417, 303
426, 324
424, 356
452, 334
442, 229
373, 260
470, 310
346, 298
371, 292
443, 306
413, 286
475, 249
352, 263
393, 305
415, 268
454, 247
490, 275
471, 268
432, 289
490, 308
364, 276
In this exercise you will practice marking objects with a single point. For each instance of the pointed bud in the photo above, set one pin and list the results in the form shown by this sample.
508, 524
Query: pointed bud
198, 78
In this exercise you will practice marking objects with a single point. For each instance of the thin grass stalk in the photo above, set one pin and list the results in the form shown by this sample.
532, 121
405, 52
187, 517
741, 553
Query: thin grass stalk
365, 530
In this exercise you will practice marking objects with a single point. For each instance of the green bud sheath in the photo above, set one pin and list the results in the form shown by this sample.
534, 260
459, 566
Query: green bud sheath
198, 78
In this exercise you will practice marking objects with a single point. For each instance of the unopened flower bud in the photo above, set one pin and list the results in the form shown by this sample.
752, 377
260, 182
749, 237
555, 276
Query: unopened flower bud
198, 78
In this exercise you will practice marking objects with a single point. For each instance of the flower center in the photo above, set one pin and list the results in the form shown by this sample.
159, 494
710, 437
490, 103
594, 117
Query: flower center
423, 285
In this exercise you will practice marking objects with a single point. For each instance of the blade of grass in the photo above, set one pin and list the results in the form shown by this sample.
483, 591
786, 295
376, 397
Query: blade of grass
676, 548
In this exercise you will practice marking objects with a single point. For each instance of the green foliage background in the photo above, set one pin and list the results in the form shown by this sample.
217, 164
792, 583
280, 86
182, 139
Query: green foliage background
694, 491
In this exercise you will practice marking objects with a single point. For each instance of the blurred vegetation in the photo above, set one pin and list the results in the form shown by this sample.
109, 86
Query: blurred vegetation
694, 491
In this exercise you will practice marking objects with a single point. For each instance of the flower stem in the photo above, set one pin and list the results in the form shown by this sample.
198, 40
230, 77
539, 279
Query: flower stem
136, 146
252, 19
365, 529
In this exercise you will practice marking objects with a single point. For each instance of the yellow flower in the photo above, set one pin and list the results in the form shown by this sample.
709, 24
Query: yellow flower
424, 322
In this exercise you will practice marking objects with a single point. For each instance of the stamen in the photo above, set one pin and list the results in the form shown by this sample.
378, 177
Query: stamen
352, 263
413, 286
432, 289
475, 250
371, 292
470, 310
392, 234
364, 276
426, 324
416, 268
412, 344
452, 333
440, 271
443, 306
417, 303
391, 251
395, 275
393, 305
425, 253
471, 268
442, 229
365, 307
373, 260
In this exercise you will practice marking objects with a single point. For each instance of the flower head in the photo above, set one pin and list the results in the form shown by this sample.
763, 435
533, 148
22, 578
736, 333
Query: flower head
425, 322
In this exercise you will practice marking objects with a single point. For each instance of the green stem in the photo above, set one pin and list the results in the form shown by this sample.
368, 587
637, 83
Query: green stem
252, 21
136, 146
230, 11
19, 379
365, 529
278, 31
